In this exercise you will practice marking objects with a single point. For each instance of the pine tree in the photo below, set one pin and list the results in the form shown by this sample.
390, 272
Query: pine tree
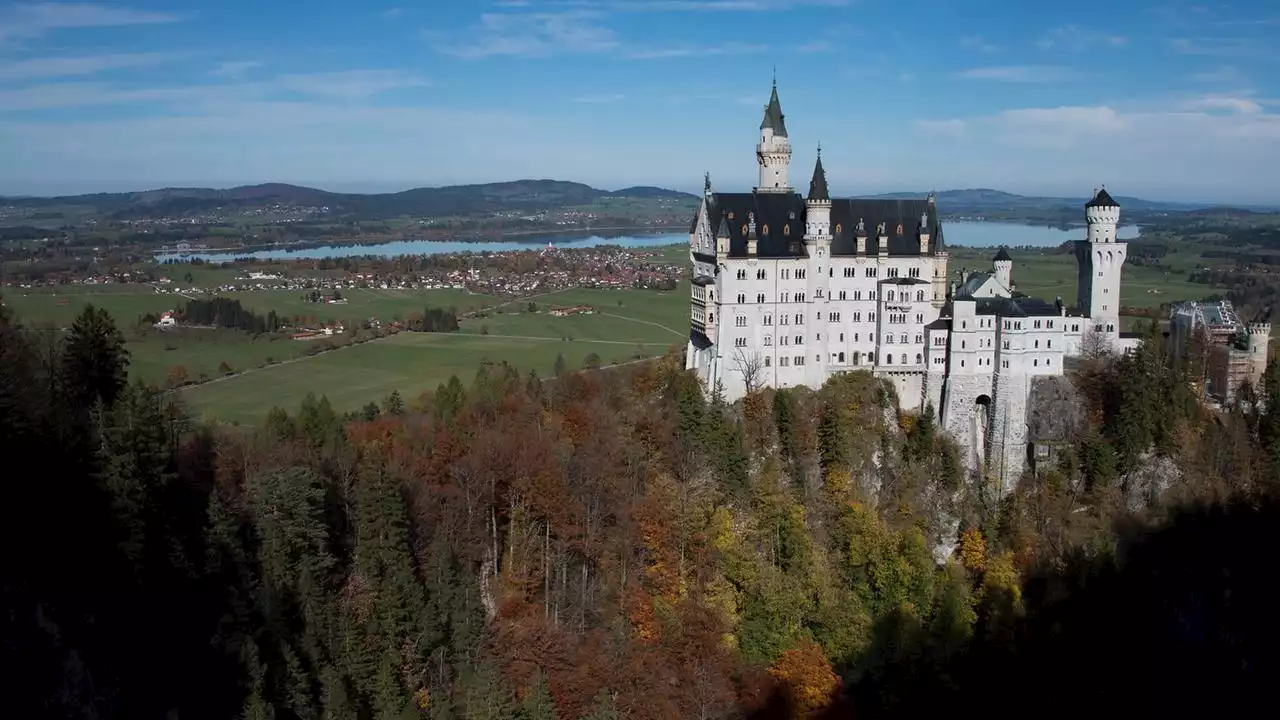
537, 704
94, 361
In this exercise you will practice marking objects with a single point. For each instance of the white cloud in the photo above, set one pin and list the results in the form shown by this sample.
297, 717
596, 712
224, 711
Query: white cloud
48, 67
817, 46
707, 5
1021, 73
1073, 38
1202, 147
33, 19
532, 35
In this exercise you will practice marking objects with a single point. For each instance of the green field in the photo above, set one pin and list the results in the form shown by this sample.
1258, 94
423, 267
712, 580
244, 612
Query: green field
412, 363
361, 303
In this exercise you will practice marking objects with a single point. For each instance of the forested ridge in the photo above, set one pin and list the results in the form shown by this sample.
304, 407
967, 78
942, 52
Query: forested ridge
614, 545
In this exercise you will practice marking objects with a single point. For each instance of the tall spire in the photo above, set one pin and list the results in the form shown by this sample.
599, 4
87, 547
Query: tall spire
773, 117
818, 185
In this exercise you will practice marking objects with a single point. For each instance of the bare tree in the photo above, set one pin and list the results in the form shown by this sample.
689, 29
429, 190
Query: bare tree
1094, 345
752, 368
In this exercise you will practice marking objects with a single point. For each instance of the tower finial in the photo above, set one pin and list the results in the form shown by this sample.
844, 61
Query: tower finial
775, 75
819, 149
706, 185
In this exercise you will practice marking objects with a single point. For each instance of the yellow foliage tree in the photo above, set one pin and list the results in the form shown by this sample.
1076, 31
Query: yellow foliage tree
1002, 575
808, 675
973, 550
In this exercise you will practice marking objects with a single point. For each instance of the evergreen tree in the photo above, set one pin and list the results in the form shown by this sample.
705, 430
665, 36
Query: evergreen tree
537, 704
94, 359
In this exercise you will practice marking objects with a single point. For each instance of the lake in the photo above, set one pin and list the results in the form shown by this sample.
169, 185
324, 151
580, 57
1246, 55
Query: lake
967, 234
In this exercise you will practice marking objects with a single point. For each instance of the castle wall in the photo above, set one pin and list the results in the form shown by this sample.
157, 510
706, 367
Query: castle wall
1009, 430
959, 412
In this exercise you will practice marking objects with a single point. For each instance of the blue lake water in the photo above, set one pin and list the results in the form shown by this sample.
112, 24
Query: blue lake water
967, 234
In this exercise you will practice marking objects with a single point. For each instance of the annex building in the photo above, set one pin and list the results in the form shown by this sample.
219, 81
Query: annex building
790, 289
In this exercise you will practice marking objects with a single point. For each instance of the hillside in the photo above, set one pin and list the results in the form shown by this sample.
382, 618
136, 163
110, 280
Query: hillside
455, 200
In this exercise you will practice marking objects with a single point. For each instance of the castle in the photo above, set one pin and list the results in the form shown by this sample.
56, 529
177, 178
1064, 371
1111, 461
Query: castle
789, 290
1231, 351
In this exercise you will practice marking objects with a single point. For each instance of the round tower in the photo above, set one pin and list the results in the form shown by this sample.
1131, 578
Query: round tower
773, 152
1103, 215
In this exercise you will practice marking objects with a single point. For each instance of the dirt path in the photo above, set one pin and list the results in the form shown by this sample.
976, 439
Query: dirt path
677, 333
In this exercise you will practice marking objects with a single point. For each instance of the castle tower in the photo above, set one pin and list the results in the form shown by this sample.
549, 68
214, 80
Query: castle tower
1101, 259
773, 152
817, 216
1004, 269
1259, 341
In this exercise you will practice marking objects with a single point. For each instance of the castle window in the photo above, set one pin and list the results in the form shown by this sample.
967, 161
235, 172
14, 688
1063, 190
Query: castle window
914, 272
904, 360
842, 295
1037, 324
841, 360
800, 274
919, 317
764, 230
1048, 344
961, 363
919, 296
1005, 364
760, 298
784, 297
742, 297
871, 317
742, 274
900, 231
888, 339
871, 294
841, 337
857, 317
740, 321
961, 344
744, 229
799, 339
892, 272
711, 317
857, 294
766, 360
839, 228
768, 319
768, 340
903, 339
786, 230
871, 272
784, 361
890, 298
799, 318
1035, 363
799, 359
919, 339
848, 272
888, 359
919, 358
730, 214
760, 274
1075, 327
740, 342
1037, 344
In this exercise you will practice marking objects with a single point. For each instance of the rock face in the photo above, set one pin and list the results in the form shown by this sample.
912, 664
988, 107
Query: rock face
1054, 410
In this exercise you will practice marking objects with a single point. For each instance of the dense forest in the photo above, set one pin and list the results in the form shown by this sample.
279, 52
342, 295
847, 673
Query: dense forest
615, 544
229, 313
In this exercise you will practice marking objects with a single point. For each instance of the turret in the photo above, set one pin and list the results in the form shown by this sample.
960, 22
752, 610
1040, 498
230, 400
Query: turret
773, 152
722, 238
817, 220
1103, 215
1004, 269
1259, 342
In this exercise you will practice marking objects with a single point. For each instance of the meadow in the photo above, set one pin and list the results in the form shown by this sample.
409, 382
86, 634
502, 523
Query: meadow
410, 363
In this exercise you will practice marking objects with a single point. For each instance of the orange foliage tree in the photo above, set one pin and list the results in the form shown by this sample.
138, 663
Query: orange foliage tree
807, 675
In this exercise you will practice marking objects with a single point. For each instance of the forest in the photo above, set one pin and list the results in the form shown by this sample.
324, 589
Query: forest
615, 544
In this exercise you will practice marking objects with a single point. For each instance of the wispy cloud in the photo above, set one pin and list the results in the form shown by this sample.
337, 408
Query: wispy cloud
392, 12
599, 99
33, 19
696, 51
531, 35
1021, 73
953, 127
978, 43
1226, 47
234, 68
349, 84
1075, 39
50, 67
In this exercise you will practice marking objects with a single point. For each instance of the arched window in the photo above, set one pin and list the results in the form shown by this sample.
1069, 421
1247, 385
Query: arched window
890, 297
888, 359
841, 358
919, 296
919, 358
742, 297
904, 360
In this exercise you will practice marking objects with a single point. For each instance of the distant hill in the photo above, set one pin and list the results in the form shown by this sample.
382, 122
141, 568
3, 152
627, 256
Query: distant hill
425, 202
987, 199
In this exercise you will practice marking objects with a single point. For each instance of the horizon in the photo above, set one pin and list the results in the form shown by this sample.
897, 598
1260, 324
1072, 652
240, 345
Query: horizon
1170, 104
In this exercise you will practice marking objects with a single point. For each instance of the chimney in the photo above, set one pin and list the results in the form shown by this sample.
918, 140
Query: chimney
752, 240
882, 238
860, 233
924, 233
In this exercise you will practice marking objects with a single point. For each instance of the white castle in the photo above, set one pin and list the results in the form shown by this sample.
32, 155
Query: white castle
789, 290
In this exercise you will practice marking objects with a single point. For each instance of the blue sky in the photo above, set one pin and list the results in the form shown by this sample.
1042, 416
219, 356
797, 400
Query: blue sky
1158, 100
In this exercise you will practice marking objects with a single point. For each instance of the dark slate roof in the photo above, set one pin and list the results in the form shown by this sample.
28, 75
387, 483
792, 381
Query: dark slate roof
699, 340
773, 117
845, 214
903, 281
818, 185
1002, 255
703, 280
1016, 307
1102, 199
941, 323
971, 285
780, 224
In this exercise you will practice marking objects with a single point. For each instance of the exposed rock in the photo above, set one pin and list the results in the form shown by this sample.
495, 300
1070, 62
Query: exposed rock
1054, 410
